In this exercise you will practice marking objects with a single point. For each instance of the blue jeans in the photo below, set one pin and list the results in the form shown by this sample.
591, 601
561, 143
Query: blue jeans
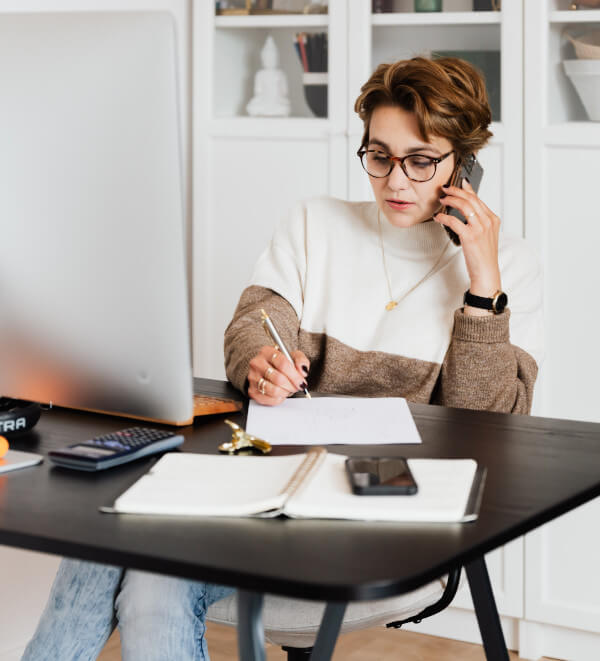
159, 617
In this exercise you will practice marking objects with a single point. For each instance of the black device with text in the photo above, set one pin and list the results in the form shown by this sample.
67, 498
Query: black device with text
17, 415
115, 448
380, 476
468, 168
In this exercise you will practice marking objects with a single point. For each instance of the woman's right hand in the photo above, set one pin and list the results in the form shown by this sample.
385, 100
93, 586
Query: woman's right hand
272, 378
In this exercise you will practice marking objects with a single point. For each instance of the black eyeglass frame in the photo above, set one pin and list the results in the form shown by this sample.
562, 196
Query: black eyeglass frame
400, 160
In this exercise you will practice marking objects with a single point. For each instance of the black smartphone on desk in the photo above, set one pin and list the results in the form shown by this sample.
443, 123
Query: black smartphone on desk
468, 168
380, 476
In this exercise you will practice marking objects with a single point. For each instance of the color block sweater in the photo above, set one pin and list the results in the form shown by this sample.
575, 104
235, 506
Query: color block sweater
322, 281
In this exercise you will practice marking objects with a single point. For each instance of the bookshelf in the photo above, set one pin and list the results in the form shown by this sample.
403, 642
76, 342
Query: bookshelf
236, 58
562, 149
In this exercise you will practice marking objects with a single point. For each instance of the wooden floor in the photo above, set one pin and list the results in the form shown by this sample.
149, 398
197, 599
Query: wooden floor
367, 645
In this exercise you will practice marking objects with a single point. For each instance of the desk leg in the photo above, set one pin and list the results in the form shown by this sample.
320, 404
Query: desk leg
251, 634
328, 632
486, 611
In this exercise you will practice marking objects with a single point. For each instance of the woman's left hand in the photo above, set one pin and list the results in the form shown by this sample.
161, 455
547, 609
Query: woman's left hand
479, 237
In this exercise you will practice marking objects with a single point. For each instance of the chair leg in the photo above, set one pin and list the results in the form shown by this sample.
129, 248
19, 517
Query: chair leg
297, 653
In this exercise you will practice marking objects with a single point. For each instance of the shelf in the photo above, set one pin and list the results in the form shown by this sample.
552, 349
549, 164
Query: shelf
438, 18
270, 127
573, 134
570, 16
273, 21
295, 127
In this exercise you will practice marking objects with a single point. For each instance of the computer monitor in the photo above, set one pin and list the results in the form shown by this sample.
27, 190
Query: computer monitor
93, 293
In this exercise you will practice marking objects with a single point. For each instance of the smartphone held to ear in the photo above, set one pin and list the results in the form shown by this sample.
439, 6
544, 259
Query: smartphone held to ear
380, 476
468, 168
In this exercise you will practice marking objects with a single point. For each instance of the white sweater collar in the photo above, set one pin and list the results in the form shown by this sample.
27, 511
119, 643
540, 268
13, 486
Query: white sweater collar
419, 241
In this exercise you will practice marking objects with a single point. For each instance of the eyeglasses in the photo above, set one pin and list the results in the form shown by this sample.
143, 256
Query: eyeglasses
416, 167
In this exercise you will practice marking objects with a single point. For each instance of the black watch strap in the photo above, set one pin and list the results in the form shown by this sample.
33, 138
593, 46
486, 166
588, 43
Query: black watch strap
496, 304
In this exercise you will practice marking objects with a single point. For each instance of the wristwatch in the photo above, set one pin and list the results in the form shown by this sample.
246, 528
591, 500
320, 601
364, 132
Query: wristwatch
496, 304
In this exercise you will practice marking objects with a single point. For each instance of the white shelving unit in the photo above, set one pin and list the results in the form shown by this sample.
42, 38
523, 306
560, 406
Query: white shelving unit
562, 150
558, 135
552, 21
236, 56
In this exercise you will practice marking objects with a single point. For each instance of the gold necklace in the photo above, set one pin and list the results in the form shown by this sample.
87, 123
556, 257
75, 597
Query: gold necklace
393, 303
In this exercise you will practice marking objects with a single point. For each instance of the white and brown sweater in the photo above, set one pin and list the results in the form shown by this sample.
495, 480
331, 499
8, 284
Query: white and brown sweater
323, 283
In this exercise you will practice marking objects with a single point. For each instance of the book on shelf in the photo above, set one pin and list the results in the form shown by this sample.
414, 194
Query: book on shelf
308, 485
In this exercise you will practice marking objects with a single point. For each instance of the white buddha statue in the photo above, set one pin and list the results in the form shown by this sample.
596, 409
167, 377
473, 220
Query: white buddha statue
270, 86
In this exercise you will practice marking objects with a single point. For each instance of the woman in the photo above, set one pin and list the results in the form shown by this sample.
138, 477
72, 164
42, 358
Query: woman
370, 298
371, 294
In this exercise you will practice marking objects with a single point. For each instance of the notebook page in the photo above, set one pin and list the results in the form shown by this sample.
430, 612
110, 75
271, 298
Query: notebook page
210, 485
443, 491
326, 420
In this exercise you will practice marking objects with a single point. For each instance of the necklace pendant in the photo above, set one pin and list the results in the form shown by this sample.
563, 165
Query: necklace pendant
391, 305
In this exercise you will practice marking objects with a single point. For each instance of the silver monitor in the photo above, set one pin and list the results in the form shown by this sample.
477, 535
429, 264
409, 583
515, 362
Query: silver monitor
93, 299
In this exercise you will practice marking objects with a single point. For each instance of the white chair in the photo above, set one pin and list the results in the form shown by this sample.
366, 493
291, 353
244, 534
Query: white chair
293, 624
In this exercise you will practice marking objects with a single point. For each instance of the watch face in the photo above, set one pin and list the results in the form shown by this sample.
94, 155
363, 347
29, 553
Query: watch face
500, 303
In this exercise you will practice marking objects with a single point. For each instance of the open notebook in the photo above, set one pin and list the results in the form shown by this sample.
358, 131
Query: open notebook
310, 485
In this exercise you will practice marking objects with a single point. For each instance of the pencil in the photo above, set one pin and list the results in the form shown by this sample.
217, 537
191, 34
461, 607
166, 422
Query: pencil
272, 331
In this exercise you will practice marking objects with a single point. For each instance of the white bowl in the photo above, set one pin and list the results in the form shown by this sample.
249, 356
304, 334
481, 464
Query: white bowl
585, 76
587, 46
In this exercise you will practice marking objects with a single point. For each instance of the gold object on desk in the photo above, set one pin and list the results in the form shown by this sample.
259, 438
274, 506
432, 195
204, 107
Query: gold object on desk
240, 440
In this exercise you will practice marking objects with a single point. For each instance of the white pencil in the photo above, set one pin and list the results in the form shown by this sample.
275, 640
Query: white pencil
272, 331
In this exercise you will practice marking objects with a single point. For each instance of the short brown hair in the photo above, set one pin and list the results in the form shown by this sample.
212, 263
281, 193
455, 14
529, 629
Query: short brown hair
447, 95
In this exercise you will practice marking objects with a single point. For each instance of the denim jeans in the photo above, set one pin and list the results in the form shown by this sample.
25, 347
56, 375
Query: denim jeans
159, 617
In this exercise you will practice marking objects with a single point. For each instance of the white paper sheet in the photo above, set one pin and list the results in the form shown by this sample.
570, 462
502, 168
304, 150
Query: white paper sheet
325, 420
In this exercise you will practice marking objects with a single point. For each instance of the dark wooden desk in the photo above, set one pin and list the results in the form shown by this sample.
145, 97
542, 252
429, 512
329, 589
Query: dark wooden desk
538, 468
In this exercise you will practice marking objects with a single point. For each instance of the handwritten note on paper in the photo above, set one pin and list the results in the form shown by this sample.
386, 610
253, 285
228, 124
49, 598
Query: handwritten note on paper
324, 420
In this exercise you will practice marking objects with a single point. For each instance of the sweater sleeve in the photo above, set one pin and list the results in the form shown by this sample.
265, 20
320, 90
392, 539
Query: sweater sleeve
492, 362
245, 335
483, 370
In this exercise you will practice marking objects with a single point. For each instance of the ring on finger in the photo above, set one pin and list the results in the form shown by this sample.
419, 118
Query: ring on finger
261, 385
268, 373
274, 357
470, 215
